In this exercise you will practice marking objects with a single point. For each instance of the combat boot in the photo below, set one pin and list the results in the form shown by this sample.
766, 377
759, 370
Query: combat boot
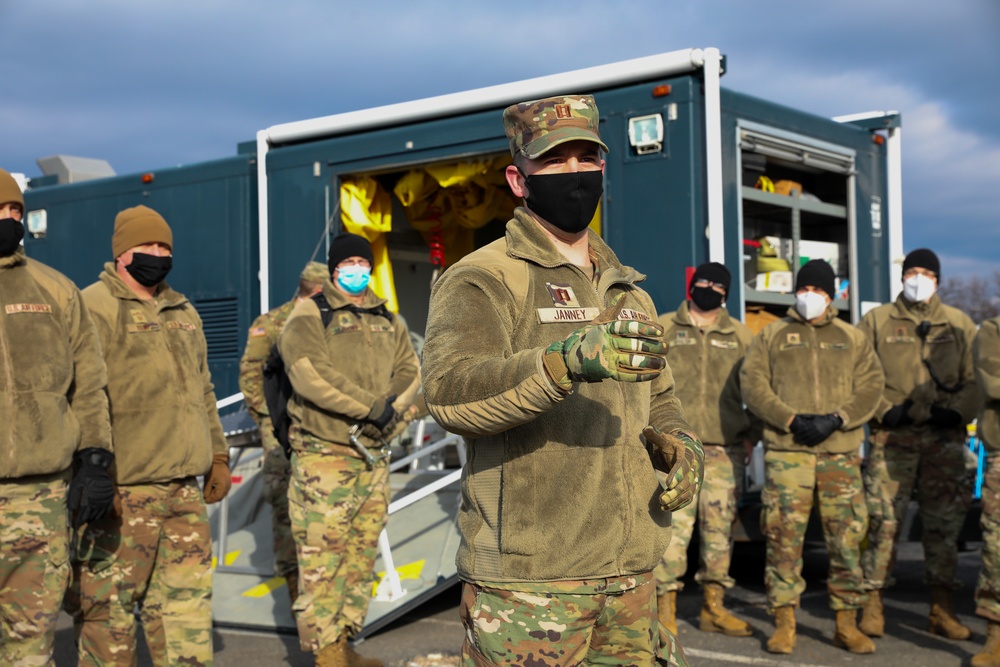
872, 617
942, 619
357, 660
292, 581
847, 634
990, 655
333, 655
715, 617
783, 639
666, 611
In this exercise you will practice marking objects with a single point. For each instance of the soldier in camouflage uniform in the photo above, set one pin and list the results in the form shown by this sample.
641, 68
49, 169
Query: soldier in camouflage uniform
263, 335
53, 408
543, 352
705, 349
919, 441
360, 370
986, 352
157, 554
815, 381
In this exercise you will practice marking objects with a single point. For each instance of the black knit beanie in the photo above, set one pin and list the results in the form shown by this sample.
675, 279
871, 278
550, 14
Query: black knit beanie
348, 245
818, 274
924, 259
713, 272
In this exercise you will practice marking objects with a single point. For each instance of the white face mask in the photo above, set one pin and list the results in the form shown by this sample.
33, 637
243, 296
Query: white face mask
919, 288
810, 305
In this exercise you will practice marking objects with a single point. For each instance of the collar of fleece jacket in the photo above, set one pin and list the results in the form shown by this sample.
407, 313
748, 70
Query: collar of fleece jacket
10, 261
166, 297
527, 241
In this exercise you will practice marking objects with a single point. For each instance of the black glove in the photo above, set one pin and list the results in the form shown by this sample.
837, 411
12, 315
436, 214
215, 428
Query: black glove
91, 492
817, 429
944, 418
799, 422
382, 412
898, 415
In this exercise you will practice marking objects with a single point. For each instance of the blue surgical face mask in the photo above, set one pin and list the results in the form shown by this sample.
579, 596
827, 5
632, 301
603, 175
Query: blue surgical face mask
354, 278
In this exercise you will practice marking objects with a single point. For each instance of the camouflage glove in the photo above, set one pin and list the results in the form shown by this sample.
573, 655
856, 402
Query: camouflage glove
218, 480
682, 458
91, 492
382, 412
622, 350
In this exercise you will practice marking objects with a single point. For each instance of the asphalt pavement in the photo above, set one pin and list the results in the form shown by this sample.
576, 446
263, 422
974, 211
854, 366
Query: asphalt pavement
431, 636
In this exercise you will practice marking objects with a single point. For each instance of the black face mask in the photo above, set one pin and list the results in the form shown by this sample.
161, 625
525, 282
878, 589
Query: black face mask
706, 298
149, 270
11, 233
568, 201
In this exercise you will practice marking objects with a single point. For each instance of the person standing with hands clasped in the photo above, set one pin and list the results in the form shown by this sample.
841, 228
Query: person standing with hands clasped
56, 437
930, 395
705, 348
815, 381
542, 352
263, 336
352, 380
157, 552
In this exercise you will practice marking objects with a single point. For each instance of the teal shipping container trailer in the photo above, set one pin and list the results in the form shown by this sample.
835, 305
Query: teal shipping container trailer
690, 178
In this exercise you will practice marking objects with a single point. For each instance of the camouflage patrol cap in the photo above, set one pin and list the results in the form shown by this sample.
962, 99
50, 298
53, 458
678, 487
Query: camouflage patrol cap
534, 127
315, 272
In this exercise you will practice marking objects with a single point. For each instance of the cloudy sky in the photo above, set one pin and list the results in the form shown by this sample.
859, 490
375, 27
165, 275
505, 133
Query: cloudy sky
153, 83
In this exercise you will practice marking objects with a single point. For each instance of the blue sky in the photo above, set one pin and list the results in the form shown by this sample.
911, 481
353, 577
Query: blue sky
155, 83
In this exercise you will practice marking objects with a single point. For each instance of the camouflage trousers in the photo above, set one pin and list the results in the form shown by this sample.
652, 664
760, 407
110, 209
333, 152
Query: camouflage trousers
715, 510
935, 464
988, 586
556, 628
34, 567
157, 555
792, 481
338, 508
277, 470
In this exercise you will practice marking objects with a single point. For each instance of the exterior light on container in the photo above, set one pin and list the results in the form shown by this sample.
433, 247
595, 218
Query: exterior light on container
661, 91
878, 139
147, 177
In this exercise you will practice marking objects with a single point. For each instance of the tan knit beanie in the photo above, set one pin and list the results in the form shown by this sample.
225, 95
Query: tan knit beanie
137, 226
9, 190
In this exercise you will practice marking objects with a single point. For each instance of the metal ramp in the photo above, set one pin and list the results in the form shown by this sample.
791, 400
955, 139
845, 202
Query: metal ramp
417, 549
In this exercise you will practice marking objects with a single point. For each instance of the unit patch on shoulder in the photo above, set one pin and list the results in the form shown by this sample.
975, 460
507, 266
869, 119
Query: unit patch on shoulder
12, 308
562, 295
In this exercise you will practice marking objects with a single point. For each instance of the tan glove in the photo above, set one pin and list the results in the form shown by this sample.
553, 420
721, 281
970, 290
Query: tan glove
218, 480
682, 458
